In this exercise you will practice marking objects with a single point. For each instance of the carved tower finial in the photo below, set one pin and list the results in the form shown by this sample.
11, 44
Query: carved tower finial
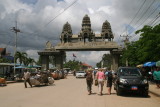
66, 33
86, 31
107, 31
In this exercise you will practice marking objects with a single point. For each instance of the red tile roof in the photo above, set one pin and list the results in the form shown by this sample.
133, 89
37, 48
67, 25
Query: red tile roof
1, 49
84, 64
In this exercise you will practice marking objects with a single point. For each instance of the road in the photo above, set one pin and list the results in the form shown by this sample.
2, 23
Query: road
70, 92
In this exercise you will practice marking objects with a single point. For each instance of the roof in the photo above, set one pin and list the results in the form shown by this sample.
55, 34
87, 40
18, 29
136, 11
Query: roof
1, 50
84, 64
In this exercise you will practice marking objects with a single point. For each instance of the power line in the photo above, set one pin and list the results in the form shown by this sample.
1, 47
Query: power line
135, 14
157, 16
154, 19
61, 12
144, 13
147, 17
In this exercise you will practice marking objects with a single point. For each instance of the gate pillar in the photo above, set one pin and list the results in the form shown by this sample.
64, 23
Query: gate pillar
45, 62
59, 59
115, 59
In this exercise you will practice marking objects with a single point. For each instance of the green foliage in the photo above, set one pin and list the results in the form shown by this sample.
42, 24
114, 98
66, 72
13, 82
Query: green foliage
22, 58
107, 61
4, 60
146, 48
73, 65
39, 62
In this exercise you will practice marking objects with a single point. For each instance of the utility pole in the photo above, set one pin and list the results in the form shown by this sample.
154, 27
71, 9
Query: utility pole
125, 46
15, 30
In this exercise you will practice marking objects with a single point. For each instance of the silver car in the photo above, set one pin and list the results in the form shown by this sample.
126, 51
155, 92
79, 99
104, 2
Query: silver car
80, 74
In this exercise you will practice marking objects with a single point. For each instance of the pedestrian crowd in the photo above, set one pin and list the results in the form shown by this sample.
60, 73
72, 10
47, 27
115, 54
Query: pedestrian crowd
99, 77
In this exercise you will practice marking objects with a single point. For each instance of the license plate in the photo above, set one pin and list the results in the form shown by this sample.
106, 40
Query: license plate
134, 88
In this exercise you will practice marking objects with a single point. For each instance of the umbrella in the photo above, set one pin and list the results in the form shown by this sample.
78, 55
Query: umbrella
149, 64
158, 63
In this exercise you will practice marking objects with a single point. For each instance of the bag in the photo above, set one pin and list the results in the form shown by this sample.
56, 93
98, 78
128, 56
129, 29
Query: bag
96, 82
109, 75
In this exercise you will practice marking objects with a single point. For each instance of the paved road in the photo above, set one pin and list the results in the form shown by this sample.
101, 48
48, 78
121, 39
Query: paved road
70, 92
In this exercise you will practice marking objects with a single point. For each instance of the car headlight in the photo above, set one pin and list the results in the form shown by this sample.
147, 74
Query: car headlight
144, 81
123, 80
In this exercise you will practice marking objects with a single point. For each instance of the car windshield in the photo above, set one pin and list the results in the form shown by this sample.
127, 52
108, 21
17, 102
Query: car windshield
129, 72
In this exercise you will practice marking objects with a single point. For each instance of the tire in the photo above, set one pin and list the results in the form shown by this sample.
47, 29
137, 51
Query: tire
119, 92
145, 93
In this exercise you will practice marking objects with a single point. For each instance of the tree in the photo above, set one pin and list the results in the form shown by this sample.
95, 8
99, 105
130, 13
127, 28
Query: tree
146, 48
73, 65
31, 61
106, 60
20, 56
39, 62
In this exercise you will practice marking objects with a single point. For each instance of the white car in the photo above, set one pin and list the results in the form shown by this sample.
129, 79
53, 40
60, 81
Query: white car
80, 74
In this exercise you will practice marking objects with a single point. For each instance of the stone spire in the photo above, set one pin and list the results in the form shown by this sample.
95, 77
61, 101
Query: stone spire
107, 31
86, 24
67, 28
66, 33
86, 31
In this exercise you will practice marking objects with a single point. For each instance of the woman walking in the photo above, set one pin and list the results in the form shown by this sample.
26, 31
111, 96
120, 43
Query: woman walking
89, 81
101, 77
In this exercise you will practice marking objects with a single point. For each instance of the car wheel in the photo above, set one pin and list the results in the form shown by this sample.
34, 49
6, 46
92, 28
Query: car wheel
119, 92
145, 93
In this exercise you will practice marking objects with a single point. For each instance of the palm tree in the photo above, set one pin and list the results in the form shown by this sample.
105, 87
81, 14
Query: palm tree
20, 56
31, 61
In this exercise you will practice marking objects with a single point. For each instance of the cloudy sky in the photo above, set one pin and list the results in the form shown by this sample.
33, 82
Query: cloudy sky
42, 20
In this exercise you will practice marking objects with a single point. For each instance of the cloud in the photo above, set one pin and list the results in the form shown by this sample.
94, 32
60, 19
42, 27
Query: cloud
42, 20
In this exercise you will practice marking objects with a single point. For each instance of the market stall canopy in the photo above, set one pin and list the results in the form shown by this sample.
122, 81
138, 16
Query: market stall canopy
149, 64
20, 67
158, 64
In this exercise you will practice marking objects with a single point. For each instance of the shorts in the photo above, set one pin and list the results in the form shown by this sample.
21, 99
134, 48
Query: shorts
109, 83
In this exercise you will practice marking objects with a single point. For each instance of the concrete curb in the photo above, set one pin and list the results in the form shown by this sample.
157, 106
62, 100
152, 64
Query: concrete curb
156, 94
9, 82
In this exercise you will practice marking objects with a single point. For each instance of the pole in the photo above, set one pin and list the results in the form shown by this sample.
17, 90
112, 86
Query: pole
15, 30
125, 42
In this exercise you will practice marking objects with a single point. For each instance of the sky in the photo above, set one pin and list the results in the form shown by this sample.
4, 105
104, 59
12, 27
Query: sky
42, 20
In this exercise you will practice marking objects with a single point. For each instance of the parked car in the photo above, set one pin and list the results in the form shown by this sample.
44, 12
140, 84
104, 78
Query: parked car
80, 74
130, 79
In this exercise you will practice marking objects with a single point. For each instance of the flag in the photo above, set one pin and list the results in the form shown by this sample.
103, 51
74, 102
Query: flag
74, 55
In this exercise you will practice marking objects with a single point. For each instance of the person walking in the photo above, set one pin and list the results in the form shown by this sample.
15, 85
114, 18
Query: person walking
101, 77
94, 73
109, 78
27, 78
156, 76
89, 81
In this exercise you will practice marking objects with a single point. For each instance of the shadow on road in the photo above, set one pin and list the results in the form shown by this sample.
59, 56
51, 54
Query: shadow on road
39, 86
134, 95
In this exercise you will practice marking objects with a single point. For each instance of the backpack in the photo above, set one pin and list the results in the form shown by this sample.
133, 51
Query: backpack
109, 75
94, 72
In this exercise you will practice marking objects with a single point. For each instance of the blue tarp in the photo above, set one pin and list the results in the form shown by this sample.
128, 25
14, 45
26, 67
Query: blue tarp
149, 64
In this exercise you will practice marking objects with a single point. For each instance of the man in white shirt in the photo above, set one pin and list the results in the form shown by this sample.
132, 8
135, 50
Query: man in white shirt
27, 78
